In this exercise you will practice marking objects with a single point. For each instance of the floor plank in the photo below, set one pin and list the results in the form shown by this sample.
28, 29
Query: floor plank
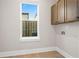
50, 54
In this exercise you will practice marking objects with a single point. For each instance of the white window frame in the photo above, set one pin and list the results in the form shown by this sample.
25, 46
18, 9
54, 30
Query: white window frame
29, 38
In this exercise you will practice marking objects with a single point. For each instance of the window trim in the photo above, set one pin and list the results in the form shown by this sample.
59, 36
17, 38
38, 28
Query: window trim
29, 38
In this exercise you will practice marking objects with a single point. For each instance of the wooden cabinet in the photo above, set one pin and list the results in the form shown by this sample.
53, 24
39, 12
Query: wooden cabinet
77, 8
71, 10
54, 14
65, 11
61, 11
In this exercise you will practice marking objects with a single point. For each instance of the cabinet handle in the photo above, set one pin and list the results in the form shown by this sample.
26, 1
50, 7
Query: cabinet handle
56, 22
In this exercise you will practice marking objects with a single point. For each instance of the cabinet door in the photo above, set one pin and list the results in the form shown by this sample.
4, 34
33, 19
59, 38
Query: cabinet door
71, 10
54, 14
61, 11
78, 9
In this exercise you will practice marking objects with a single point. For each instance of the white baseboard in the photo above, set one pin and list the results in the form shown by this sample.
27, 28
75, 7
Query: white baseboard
30, 51
65, 54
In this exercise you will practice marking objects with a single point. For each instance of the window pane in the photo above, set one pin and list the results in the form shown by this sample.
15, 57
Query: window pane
29, 20
29, 28
29, 11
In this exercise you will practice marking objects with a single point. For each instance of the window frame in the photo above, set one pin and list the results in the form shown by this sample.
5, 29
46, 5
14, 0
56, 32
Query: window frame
37, 38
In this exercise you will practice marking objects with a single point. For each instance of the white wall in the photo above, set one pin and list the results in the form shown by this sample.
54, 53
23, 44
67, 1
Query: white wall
10, 26
70, 41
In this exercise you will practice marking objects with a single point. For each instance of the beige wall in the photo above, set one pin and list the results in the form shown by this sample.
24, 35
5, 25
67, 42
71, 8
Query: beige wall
10, 26
70, 41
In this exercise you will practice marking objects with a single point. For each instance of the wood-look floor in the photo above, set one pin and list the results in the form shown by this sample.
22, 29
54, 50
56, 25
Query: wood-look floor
50, 54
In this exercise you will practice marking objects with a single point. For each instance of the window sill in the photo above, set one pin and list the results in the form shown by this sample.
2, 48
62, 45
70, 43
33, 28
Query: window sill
30, 39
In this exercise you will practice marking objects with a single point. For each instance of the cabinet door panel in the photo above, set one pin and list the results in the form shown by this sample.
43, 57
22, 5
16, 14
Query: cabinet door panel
61, 11
71, 10
78, 9
54, 14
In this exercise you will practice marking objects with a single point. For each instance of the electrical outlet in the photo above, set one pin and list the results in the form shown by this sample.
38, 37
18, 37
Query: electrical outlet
63, 32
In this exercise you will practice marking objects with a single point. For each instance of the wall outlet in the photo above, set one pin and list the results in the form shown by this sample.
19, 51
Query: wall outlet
63, 32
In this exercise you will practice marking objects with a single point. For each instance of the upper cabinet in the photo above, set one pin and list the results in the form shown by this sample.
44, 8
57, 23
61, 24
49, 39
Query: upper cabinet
60, 11
66, 11
77, 8
54, 14
71, 10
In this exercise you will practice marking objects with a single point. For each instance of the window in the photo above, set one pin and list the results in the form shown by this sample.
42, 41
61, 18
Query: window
29, 21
